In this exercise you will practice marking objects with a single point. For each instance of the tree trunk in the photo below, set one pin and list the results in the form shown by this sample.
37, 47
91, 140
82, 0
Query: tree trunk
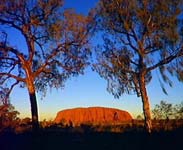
146, 103
34, 111
33, 103
32, 96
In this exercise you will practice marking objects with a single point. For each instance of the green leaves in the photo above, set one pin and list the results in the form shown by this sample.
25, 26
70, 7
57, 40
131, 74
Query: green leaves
139, 36
163, 110
166, 110
56, 40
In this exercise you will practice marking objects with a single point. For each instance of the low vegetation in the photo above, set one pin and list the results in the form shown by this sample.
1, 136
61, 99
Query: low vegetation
166, 117
16, 133
127, 136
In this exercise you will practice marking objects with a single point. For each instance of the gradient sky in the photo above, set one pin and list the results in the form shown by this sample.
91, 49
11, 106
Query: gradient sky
88, 89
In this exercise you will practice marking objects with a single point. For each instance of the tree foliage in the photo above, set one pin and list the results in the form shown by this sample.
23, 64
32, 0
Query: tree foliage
163, 111
166, 110
178, 111
135, 32
56, 40
139, 37
8, 116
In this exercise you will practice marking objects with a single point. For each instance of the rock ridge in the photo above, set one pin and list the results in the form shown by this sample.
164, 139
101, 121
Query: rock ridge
94, 115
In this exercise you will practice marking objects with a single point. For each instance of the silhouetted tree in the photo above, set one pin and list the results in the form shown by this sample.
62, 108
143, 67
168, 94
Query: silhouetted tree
139, 117
163, 110
8, 116
139, 36
4, 91
56, 41
178, 111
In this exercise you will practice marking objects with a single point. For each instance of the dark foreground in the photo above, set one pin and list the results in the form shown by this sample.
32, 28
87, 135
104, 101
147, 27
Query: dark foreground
60, 139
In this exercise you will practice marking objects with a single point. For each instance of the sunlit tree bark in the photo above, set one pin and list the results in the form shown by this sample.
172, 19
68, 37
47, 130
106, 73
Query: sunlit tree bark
57, 47
139, 37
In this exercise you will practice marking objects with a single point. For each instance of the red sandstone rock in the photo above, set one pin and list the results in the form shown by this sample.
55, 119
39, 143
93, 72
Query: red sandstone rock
93, 115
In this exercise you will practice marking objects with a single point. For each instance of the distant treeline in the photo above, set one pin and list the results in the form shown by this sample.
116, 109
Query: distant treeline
166, 116
165, 111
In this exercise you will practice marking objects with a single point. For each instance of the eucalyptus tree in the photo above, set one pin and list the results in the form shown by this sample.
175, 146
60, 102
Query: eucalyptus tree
139, 36
163, 110
8, 116
56, 49
178, 111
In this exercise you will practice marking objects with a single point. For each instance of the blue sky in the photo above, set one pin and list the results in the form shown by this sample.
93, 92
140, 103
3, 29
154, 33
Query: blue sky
89, 89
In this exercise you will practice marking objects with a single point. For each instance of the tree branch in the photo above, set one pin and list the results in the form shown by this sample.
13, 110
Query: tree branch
11, 88
12, 76
166, 60
11, 23
14, 51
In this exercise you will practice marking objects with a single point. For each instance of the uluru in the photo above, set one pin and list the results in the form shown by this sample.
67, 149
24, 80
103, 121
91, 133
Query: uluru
96, 115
